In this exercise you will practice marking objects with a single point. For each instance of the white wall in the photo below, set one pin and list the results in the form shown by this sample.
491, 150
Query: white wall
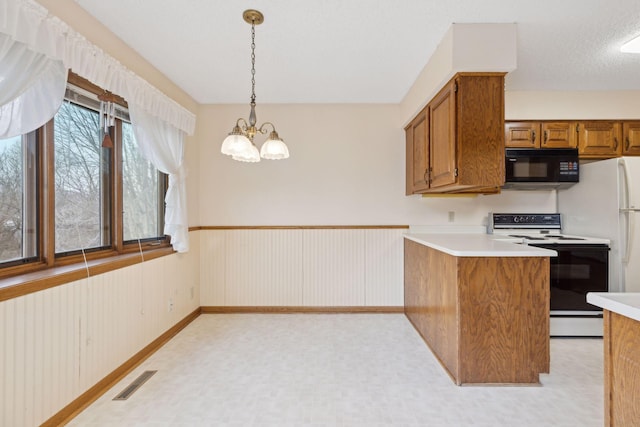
464, 47
347, 167
566, 105
191, 156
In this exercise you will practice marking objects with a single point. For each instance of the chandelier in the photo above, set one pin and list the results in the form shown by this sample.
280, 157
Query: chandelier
239, 143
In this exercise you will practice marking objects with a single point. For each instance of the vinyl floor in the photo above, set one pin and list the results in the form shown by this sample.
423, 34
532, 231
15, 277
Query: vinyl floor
338, 370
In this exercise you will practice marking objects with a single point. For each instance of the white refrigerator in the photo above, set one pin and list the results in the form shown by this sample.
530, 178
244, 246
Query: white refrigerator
606, 203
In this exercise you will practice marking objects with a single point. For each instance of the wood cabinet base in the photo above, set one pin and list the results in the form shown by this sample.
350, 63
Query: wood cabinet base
622, 370
485, 318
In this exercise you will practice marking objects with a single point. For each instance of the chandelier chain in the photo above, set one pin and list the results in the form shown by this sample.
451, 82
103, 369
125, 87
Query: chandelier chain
253, 62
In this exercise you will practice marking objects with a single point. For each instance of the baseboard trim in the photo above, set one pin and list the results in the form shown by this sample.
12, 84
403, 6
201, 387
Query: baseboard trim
67, 413
301, 309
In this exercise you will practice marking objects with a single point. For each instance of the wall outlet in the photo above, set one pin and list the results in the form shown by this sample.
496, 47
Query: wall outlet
452, 216
170, 304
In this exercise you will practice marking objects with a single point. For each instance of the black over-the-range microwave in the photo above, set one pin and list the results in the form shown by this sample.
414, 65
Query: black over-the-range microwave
543, 168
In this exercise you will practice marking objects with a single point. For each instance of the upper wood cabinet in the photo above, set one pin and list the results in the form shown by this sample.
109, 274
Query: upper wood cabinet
462, 133
599, 139
631, 138
558, 135
417, 137
595, 139
522, 134
442, 137
540, 134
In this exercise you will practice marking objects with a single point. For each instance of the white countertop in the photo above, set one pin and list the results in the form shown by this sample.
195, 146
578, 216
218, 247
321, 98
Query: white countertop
476, 245
624, 303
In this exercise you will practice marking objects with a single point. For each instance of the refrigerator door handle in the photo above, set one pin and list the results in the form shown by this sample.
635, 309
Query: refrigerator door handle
624, 177
626, 210
630, 210
630, 223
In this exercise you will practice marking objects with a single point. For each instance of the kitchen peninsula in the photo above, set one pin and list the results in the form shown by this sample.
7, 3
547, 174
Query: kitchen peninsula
621, 356
481, 305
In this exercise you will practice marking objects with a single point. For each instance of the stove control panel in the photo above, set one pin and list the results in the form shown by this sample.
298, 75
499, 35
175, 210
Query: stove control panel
523, 221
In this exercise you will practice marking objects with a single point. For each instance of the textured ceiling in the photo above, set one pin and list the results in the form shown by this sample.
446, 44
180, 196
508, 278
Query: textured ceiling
366, 51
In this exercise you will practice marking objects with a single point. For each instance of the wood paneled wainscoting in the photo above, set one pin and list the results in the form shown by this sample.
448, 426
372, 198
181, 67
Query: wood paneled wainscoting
299, 268
64, 345
485, 318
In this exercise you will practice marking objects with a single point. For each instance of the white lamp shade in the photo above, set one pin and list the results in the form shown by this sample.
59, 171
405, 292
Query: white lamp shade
249, 154
234, 144
274, 149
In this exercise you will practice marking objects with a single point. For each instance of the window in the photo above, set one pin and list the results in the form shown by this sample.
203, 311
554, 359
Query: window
82, 181
65, 195
18, 220
143, 192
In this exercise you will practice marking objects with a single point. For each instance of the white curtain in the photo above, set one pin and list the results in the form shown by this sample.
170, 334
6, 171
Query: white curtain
32, 78
30, 24
37, 49
163, 145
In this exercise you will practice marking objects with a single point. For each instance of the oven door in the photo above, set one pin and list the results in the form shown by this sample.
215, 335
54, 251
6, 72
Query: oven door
578, 269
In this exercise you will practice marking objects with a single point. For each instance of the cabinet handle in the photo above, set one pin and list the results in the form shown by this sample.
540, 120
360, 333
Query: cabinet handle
627, 143
426, 175
533, 136
615, 139
546, 136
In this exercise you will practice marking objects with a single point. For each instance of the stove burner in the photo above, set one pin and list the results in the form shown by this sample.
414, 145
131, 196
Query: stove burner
519, 236
556, 236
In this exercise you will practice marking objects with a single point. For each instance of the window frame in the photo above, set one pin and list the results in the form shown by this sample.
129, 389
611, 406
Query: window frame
45, 202
106, 193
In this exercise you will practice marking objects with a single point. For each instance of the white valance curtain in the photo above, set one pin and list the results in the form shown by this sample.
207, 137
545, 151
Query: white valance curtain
32, 79
37, 49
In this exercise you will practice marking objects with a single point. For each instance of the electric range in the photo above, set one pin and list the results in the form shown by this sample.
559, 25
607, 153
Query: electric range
582, 266
535, 228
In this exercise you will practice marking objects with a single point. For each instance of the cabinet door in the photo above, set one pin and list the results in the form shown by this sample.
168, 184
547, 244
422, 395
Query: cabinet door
417, 154
522, 134
442, 137
558, 135
631, 137
599, 139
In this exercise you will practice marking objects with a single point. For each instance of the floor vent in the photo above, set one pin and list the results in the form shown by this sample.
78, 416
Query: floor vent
136, 384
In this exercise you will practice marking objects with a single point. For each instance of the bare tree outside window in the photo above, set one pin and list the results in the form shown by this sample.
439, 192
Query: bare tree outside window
11, 211
141, 191
82, 186
18, 220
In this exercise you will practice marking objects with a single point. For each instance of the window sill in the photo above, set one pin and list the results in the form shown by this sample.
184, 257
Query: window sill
24, 284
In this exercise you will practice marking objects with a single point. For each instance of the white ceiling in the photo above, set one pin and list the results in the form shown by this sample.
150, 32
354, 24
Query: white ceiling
366, 51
